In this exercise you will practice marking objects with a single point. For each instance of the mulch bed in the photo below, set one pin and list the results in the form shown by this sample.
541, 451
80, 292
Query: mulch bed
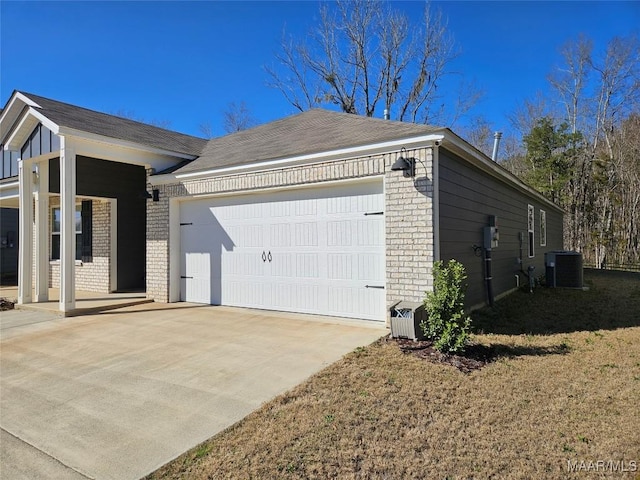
474, 358
6, 304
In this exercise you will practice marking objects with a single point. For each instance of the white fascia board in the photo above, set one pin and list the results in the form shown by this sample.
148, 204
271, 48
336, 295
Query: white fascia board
16, 106
26, 100
476, 157
18, 96
25, 126
45, 121
311, 158
4, 186
121, 143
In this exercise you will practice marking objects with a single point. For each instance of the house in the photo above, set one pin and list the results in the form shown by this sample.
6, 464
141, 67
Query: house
320, 212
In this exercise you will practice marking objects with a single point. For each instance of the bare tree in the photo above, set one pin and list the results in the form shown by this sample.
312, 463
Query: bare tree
364, 55
237, 117
617, 99
526, 114
479, 133
597, 95
206, 129
570, 79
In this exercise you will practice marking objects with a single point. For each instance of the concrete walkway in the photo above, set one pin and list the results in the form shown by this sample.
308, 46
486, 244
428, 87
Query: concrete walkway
116, 395
86, 302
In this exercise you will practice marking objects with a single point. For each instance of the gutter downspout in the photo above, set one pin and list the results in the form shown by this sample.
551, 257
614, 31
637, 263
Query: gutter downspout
436, 199
488, 276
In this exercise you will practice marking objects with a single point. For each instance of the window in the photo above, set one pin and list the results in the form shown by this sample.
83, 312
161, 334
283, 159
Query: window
9, 161
530, 228
83, 220
543, 228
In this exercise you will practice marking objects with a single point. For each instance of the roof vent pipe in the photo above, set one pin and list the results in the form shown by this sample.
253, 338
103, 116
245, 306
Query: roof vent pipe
496, 144
386, 114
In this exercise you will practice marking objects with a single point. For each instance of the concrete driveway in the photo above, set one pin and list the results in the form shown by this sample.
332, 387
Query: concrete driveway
116, 395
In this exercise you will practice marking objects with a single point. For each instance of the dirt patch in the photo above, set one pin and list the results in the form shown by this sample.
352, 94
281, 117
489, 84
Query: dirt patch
474, 358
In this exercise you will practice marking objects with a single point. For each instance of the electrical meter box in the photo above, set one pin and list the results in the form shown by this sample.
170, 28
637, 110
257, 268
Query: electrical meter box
491, 234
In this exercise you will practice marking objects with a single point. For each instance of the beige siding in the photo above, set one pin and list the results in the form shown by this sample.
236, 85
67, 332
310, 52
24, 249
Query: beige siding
467, 197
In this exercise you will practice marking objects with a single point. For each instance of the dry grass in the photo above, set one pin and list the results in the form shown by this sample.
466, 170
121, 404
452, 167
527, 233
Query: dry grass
566, 389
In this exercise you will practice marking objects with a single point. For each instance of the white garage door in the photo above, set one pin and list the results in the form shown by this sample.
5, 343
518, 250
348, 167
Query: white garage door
314, 250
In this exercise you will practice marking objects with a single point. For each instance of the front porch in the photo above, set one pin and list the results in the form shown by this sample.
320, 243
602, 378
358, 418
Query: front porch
79, 181
86, 302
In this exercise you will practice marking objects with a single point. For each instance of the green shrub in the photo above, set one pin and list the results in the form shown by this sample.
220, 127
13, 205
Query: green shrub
447, 325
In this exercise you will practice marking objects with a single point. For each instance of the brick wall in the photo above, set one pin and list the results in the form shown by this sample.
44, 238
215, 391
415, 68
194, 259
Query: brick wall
409, 216
157, 277
409, 230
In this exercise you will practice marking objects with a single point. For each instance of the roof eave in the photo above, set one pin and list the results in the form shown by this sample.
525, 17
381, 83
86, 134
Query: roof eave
68, 131
17, 104
310, 158
23, 127
474, 156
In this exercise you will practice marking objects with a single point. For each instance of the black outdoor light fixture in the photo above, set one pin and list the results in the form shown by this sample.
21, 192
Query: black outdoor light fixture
405, 164
155, 195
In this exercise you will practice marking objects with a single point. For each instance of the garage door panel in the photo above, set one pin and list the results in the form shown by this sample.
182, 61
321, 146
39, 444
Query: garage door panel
342, 300
283, 265
306, 234
280, 235
306, 208
370, 232
310, 251
340, 266
347, 266
307, 298
307, 265
339, 233
369, 268
246, 235
243, 264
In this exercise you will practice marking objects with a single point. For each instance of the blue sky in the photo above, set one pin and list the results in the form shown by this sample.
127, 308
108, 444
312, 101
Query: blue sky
184, 62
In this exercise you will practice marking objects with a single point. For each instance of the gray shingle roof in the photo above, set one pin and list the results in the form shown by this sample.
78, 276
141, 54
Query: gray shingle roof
90, 121
313, 131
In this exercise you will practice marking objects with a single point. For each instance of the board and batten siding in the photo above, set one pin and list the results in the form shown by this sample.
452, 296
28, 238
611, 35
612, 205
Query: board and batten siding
468, 196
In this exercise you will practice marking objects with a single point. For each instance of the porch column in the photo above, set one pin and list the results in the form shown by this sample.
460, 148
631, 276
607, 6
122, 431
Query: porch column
42, 233
25, 228
67, 225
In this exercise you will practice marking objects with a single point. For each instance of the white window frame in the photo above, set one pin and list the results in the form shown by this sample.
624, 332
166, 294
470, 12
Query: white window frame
531, 223
543, 228
54, 232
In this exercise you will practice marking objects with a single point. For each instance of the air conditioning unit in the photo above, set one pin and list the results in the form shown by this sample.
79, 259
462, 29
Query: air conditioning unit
563, 269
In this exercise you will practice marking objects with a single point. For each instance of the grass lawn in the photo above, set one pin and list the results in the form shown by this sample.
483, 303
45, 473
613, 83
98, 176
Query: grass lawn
562, 385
